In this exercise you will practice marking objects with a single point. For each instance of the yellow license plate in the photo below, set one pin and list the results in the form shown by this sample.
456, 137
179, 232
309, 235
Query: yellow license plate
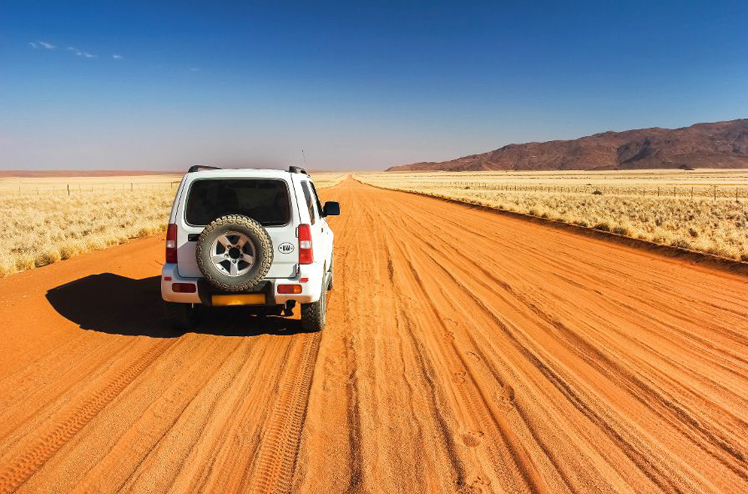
239, 299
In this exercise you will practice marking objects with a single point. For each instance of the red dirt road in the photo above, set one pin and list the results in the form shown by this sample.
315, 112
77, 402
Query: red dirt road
465, 352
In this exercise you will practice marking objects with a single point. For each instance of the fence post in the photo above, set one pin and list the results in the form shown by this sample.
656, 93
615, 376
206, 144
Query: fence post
715, 193
658, 191
68, 189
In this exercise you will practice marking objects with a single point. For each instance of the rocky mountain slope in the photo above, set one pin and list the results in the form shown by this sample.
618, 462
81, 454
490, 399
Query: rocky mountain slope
704, 145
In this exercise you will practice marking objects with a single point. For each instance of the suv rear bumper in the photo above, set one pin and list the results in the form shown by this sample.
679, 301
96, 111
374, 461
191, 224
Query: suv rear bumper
310, 289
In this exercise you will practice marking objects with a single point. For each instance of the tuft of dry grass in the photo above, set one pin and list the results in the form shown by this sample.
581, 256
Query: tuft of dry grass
673, 208
44, 224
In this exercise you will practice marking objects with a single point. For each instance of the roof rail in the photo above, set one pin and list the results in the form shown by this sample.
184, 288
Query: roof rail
197, 168
297, 169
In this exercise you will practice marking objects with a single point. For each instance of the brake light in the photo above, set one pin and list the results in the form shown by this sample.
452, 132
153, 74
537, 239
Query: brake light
171, 244
183, 287
306, 255
289, 288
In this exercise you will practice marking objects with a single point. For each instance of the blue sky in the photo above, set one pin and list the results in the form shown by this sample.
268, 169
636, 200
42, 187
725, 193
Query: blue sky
354, 84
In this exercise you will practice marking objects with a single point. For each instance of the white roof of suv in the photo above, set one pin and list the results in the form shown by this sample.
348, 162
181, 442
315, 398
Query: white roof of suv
240, 173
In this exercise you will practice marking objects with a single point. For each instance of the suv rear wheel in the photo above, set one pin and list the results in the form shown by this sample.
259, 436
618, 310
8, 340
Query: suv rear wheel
314, 315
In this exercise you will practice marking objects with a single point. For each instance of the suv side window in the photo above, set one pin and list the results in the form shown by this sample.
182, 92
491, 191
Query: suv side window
309, 200
316, 200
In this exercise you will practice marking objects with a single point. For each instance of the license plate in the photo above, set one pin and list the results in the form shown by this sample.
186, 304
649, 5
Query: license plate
239, 299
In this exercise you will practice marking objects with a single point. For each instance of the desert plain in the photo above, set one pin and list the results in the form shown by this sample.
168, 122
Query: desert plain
466, 351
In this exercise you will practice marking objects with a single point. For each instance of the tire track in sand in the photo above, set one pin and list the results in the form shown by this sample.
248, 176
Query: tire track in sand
640, 390
475, 396
279, 446
20, 469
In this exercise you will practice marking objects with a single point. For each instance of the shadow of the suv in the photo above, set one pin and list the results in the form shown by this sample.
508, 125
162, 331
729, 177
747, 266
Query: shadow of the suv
114, 304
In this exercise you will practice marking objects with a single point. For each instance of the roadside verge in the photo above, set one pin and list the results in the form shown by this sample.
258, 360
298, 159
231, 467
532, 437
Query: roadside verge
688, 255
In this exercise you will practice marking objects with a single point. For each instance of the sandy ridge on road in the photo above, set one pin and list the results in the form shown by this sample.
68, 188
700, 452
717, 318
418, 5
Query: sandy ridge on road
465, 351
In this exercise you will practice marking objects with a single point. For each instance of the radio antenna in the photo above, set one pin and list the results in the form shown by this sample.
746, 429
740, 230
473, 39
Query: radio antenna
302, 155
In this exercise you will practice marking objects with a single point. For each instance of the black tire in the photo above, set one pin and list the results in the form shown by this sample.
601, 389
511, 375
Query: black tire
180, 317
331, 274
263, 247
314, 315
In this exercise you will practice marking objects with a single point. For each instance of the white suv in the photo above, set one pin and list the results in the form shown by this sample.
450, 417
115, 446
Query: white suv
248, 237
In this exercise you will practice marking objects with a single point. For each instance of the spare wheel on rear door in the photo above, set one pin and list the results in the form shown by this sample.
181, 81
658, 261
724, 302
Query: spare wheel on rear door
234, 253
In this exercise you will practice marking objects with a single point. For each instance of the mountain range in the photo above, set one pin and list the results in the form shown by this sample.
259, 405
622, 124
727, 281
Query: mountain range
703, 145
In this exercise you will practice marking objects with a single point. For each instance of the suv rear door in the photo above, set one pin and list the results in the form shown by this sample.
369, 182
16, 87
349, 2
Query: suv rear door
318, 223
325, 227
266, 200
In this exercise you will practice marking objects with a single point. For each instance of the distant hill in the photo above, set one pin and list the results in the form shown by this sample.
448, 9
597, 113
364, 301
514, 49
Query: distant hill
704, 145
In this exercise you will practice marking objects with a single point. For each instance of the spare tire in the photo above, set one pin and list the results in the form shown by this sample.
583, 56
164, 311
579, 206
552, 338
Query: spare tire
234, 253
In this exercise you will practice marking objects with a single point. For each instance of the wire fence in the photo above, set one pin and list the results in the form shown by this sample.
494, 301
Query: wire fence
714, 192
72, 188
79, 188
694, 192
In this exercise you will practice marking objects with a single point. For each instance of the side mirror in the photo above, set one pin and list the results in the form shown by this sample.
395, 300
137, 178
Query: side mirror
331, 208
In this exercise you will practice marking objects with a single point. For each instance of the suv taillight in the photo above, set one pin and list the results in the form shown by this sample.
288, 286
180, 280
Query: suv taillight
171, 244
306, 256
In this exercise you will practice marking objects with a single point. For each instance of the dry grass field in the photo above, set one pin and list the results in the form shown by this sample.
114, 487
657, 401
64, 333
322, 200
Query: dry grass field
53, 218
702, 210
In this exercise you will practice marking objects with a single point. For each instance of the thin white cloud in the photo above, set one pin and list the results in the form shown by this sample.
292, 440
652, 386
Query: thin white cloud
42, 44
81, 53
77, 51
194, 69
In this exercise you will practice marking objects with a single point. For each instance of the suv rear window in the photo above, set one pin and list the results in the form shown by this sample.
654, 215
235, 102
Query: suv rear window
265, 201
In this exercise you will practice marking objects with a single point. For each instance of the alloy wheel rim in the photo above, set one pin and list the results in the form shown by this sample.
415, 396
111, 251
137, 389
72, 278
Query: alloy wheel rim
232, 254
